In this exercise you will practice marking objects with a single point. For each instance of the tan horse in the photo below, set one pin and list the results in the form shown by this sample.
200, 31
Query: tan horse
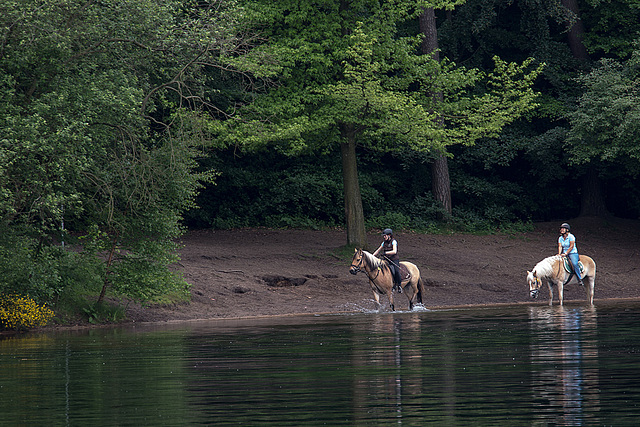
381, 278
552, 272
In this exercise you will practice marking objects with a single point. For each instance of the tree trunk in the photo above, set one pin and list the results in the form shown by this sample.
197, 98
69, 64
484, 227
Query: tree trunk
576, 32
440, 182
427, 21
354, 215
592, 203
105, 284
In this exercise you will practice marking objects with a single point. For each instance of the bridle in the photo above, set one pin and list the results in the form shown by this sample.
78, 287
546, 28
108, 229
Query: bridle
356, 268
534, 292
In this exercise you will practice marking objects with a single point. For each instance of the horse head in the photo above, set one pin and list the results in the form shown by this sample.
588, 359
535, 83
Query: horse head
534, 284
356, 261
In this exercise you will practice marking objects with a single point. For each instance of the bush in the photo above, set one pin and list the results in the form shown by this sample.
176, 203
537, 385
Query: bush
45, 273
21, 312
393, 220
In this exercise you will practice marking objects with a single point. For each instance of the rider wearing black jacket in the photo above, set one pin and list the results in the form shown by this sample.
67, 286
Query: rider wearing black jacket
389, 248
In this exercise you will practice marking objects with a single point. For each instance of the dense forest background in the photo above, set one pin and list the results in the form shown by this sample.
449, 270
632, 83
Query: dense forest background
539, 168
123, 123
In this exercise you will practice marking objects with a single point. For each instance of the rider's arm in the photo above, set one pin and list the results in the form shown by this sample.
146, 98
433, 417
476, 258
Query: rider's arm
377, 250
394, 250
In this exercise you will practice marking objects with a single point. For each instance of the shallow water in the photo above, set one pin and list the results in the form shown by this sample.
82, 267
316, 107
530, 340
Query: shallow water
515, 365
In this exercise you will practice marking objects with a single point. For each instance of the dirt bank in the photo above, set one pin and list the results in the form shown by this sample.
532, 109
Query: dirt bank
259, 272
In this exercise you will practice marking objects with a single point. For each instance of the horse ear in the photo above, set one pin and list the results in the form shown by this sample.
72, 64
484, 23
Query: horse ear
534, 274
355, 249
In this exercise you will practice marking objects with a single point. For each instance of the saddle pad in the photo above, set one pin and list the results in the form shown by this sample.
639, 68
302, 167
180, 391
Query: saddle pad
569, 268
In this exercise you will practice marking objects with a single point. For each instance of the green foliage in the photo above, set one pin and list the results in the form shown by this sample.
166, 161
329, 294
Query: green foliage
103, 106
108, 110
21, 312
277, 191
606, 122
102, 312
376, 85
266, 188
393, 220
612, 25
350, 77
45, 272
476, 222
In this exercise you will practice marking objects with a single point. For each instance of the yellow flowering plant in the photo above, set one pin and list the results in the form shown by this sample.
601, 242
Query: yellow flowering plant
21, 312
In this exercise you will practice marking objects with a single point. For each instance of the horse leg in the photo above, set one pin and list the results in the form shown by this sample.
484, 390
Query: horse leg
590, 284
550, 285
390, 295
376, 295
376, 298
412, 292
560, 292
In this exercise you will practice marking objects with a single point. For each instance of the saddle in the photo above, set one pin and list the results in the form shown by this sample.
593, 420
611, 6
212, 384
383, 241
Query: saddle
569, 268
404, 271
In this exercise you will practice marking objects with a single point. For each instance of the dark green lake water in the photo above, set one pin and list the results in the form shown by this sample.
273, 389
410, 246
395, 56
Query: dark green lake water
507, 366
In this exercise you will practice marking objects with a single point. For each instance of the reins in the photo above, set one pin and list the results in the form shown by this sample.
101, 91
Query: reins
358, 269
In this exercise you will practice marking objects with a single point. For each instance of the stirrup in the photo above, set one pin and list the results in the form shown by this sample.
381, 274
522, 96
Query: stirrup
398, 288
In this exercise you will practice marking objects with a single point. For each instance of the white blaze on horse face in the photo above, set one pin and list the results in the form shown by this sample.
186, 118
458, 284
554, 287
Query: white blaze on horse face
534, 284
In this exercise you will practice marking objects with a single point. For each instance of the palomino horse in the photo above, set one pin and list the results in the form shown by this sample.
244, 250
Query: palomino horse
552, 272
381, 278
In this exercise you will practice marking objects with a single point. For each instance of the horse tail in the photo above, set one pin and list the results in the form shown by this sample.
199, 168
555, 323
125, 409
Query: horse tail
420, 291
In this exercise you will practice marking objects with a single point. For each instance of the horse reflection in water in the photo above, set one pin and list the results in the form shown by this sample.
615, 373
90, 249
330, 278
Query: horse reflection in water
565, 348
381, 278
389, 368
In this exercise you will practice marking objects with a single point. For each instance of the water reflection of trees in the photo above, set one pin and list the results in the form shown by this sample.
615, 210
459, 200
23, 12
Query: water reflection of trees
564, 352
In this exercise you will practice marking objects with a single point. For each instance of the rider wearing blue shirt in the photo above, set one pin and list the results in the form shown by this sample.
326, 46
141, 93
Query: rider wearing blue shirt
567, 248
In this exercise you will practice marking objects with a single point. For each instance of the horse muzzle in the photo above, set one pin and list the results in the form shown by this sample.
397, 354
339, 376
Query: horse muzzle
354, 270
533, 293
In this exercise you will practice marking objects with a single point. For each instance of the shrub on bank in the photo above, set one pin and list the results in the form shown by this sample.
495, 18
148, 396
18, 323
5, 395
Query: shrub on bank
21, 312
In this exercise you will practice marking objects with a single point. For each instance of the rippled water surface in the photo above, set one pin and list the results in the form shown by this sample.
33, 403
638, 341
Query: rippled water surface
515, 365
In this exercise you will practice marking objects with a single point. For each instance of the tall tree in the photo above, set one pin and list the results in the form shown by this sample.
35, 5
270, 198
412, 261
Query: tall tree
349, 78
440, 182
344, 82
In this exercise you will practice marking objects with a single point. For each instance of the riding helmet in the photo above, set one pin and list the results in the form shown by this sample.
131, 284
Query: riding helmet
565, 225
387, 231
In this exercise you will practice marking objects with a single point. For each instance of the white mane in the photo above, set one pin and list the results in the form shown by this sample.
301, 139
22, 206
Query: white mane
545, 268
371, 260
